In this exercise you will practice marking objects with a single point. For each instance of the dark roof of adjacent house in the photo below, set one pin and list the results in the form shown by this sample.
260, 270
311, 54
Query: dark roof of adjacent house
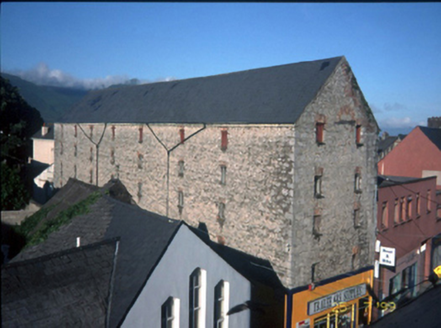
141, 234
433, 134
277, 94
390, 180
48, 136
422, 311
385, 143
55, 290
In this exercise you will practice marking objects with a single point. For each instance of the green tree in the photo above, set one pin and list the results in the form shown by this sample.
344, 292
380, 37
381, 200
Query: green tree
13, 193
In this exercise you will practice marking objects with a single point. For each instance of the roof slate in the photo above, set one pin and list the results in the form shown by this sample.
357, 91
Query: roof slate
55, 290
277, 94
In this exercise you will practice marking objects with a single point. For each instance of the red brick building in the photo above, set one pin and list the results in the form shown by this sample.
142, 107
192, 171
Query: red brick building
417, 156
407, 223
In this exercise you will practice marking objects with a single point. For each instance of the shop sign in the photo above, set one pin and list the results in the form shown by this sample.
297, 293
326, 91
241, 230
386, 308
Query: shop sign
303, 324
387, 256
329, 301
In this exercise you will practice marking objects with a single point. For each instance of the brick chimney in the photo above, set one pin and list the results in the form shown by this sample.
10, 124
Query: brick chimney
44, 130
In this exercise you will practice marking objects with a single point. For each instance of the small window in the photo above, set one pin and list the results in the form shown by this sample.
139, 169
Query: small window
223, 179
170, 313
221, 214
198, 296
402, 209
409, 207
75, 131
418, 204
316, 225
91, 155
140, 160
61, 148
358, 134
182, 135
356, 217
75, 150
180, 201
221, 304
75, 171
318, 186
320, 133
429, 201
224, 140
91, 176
91, 131
112, 156
113, 132
396, 212
384, 215
140, 137
139, 191
357, 183
181, 168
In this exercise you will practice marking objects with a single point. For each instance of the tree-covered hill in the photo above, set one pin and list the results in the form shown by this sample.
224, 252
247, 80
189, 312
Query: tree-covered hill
51, 102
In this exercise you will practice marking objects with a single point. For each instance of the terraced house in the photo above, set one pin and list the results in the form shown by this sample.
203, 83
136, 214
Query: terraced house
278, 162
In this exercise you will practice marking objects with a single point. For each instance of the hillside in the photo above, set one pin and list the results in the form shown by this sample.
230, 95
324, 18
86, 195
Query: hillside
51, 102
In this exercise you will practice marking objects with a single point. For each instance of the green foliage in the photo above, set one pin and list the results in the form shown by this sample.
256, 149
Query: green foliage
35, 235
13, 193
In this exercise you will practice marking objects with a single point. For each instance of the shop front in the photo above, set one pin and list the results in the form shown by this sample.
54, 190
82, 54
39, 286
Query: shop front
339, 302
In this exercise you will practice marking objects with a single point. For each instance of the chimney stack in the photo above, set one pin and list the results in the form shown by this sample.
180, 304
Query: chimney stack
44, 130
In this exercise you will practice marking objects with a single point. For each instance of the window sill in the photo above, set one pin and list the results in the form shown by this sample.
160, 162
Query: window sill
320, 143
360, 145
318, 196
358, 191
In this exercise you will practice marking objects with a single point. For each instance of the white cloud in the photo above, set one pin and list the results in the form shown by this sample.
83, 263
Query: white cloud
43, 75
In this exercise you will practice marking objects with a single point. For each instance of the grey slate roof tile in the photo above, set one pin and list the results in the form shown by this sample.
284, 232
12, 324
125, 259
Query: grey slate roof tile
277, 94
434, 135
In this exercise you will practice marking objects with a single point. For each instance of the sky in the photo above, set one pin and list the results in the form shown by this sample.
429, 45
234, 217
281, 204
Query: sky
394, 49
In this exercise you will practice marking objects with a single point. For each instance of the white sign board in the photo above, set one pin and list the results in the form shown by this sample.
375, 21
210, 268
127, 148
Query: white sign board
303, 324
387, 256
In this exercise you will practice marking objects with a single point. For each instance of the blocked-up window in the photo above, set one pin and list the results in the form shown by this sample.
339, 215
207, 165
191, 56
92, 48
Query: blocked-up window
316, 225
113, 132
91, 155
112, 156
140, 160
182, 135
409, 207
403, 209
221, 304
224, 140
170, 312
198, 297
418, 204
356, 217
318, 186
180, 201
358, 135
221, 213
139, 190
429, 201
320, 132
75, 131
141, 135
396, 211
91, 131
75, 150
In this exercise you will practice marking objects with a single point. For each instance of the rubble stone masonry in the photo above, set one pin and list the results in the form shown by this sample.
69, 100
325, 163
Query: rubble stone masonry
256, 195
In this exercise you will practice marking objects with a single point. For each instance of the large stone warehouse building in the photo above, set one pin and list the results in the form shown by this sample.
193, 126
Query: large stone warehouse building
278, 162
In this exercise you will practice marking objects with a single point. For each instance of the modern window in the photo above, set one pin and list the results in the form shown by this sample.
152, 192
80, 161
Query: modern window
180, 201
170, 313
221, 304
181, 167
318, 186
198, 297
396, 211
316, 225
223, 179
224, 140
320, 133
395, 284
357, 183
384, 215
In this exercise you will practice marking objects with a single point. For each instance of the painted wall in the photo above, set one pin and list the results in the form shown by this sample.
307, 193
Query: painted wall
43, 151
415, 154
171, 278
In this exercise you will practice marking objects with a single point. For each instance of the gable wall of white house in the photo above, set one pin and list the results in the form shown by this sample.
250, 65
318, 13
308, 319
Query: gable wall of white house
268, 198
171, 278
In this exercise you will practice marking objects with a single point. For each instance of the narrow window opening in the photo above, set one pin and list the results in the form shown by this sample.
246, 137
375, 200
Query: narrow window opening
180, 201
318, 186
182, 135
313, 271
181, 167
75, 171
140, 160
75, 131
112, 156
223, 180
357, 219
140, 137
396, 211
91, 155
358, 135
75, 150
316, 225
139, 191
61, 148
319, 133
357, 183
221, 213
402, 209
409, 207
384, 215
418, 204
91, 176
91, 131
224, 140
113, 132
429, 201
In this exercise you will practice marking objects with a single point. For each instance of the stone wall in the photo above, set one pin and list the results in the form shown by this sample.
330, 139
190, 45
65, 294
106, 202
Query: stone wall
267, 199
340, 246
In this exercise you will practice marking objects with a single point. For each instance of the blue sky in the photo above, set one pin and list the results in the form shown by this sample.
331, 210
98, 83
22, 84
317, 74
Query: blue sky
394, 49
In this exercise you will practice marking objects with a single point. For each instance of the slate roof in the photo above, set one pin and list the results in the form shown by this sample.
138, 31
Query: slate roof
389, 180
143, 238
388, 141
433, 134
49, 135
423, 311
55, 290
277, 94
